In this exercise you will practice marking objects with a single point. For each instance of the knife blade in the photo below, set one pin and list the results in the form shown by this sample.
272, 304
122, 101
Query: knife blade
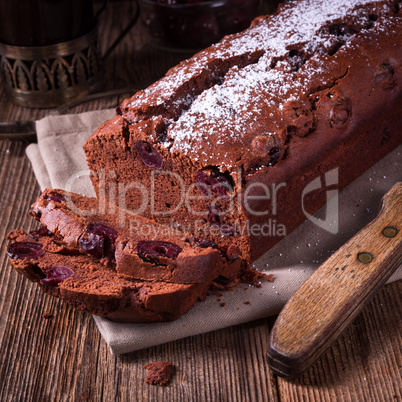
18, 130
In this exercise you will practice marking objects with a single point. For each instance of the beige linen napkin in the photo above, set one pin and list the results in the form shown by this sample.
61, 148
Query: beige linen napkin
59, 155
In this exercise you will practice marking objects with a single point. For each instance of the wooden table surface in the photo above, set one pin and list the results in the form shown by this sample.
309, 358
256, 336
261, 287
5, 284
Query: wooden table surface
65, 359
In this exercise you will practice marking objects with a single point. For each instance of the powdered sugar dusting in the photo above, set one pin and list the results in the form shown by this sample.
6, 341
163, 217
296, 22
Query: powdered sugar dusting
228, 109
239, 106
296, 23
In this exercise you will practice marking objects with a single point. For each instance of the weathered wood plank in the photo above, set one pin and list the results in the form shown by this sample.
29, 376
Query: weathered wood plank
65, 359
337, 291
364, 363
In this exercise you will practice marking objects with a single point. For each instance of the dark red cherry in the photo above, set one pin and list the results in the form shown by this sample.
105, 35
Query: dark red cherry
385, 76
98, 240
213, 218
91, 243
224, 228
56, 275
340, 114
36, 213
176, 29
275, 154
215, 180
25, 249
107, 232
250, 8
221, 186
149, 249
204, 182
56, 198
41, 232
203, 243
149, 155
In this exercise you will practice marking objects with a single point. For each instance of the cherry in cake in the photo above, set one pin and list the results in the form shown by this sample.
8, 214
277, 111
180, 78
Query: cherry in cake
57, 274
24, 250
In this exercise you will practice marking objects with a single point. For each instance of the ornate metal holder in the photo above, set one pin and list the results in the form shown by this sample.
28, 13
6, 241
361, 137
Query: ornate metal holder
49, 76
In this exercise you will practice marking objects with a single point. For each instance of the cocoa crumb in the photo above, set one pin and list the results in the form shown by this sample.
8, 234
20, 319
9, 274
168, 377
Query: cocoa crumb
47, 316
159, 373
14, 234
222, 304
252, 277
246, 302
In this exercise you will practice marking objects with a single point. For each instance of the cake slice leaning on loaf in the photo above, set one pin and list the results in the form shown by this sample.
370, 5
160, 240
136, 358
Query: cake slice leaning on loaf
226, 144
135, 247
109, 262
86, 284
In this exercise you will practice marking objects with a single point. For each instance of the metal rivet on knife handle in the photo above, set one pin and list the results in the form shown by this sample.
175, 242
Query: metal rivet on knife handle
365, 257
389, 232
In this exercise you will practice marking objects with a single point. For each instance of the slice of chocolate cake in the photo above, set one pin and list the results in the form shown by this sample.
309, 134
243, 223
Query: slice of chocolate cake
137, 247
82, 281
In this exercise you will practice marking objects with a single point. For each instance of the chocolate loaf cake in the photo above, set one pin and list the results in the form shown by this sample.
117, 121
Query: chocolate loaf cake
229, 140
217, 159
85, 283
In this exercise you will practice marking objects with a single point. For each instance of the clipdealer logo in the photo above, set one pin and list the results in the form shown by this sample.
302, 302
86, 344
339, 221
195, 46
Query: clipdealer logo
259, 192
331, 221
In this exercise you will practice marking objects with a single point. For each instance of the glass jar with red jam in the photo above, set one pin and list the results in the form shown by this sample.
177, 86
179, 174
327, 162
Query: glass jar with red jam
191, 25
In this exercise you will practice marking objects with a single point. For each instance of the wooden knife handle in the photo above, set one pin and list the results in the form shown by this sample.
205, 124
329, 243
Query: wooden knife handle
334, 294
